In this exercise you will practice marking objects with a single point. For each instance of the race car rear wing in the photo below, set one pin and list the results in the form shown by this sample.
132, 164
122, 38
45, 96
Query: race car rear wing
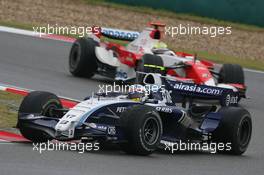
195, 92
203, 93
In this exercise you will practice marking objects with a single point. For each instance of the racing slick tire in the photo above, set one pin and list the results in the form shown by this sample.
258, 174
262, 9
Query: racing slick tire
149, 64
231, 73
235, 129
142, 126
37, 102
82, 58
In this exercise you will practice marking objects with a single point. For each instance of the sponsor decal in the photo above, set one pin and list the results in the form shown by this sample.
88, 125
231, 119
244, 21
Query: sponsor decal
197, 88
231, 100
120, 33
101, 127
121, 74
121, 109
164, 109
111, 130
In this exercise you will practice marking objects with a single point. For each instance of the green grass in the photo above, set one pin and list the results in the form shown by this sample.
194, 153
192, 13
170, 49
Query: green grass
9, 104
181, 16
217, 57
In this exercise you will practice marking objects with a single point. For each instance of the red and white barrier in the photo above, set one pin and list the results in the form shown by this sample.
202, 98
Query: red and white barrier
11, 137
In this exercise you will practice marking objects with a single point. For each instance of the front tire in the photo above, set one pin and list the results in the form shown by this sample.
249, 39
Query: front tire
143, 130
37, 102
82, 58
235, 127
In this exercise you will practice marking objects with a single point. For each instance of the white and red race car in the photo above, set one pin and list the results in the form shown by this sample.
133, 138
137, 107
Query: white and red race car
145, 52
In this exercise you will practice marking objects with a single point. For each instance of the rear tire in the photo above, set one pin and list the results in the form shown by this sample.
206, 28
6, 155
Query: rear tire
235, 127
231, 73
143, 66
143, 130
37, 102
82, 58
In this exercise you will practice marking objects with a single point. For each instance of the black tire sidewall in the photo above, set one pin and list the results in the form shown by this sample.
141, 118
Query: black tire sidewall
36, 103
229, 127
140, 128
237, 145
132, 122
87, 60
231, 73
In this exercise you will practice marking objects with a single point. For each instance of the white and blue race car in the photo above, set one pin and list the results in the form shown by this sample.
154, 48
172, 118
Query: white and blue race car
141, 121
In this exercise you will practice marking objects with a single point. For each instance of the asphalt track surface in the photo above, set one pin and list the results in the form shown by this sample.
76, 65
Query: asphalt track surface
41, 64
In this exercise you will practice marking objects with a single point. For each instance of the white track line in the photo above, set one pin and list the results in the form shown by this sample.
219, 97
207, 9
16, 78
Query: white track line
36, 34
254, 71
4, 141
245, 69
17, 31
